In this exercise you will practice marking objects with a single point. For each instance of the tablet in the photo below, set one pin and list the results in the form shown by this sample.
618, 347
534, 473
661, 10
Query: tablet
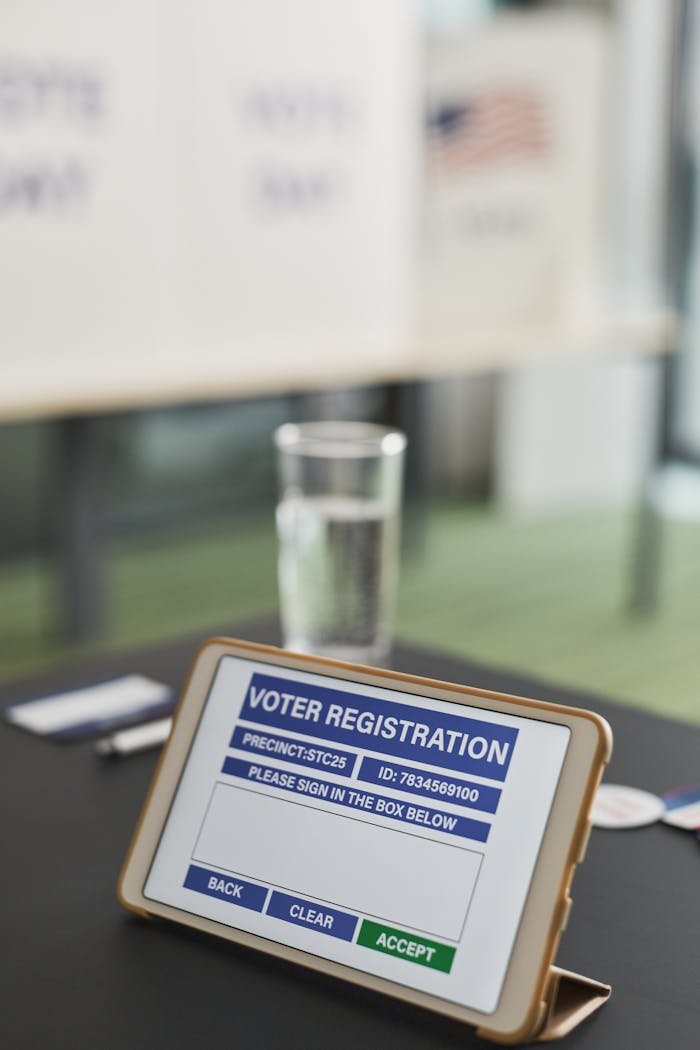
412, 836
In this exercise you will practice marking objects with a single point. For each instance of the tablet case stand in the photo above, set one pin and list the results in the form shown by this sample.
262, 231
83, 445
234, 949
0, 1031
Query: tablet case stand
569, 999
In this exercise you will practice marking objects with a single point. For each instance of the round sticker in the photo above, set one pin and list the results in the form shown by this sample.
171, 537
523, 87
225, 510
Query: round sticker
616, 806
683, 808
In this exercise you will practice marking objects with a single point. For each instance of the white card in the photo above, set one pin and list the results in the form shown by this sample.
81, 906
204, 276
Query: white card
94, 708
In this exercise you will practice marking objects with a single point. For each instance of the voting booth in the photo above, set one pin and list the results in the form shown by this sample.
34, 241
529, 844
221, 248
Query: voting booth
214, 199
203, 199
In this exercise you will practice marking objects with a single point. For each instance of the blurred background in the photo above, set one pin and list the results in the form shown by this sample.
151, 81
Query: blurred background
474, 220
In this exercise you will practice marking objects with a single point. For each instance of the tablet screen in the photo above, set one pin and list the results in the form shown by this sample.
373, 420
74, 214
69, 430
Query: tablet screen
389, 832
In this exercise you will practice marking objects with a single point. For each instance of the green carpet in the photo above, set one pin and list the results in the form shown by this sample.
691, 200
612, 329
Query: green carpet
546, 596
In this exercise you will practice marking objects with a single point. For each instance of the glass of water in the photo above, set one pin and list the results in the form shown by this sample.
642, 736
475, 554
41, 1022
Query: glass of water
338, 522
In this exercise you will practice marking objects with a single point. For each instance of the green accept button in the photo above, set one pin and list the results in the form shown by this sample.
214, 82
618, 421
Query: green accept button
406, 946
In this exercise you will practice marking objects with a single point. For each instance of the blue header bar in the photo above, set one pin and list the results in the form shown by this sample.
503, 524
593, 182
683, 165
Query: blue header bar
297, 751
354, 798
227, 888
317, 917
467, 793
420, 735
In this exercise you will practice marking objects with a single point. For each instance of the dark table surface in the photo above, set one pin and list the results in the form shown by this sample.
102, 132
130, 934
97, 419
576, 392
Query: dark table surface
77, 971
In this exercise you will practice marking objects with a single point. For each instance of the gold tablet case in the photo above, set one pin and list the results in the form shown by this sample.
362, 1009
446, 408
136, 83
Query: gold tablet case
568, 998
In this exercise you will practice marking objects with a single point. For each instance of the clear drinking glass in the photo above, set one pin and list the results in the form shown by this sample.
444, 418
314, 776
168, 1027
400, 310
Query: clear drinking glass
338, 523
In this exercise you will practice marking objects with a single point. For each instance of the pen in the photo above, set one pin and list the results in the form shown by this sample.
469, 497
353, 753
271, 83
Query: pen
137, 738
95, 726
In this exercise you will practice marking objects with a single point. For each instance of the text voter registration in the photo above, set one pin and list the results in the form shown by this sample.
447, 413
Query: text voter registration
385, 831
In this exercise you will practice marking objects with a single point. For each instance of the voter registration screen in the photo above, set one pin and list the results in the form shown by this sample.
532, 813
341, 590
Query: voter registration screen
393, 833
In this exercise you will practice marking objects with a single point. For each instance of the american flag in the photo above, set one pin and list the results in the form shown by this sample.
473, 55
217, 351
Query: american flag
487, 127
